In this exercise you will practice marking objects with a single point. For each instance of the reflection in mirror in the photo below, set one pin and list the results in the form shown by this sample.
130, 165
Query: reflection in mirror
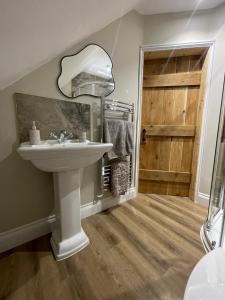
89, 72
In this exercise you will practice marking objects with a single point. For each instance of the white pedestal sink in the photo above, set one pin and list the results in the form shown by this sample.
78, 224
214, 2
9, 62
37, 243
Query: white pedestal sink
65, 161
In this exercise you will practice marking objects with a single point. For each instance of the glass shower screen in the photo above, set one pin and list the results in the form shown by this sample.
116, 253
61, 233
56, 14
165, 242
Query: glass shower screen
212, 232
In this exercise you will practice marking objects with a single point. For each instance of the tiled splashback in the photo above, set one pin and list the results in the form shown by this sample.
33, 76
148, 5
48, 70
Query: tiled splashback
51, 115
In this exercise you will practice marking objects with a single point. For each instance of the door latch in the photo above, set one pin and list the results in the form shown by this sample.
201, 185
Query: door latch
144, 135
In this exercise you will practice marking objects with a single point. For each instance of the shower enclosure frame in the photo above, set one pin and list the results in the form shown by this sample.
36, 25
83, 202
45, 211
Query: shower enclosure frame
219, 212
210, 44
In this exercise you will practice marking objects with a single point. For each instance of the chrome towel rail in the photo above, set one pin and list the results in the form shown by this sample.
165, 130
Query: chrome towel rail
113, 109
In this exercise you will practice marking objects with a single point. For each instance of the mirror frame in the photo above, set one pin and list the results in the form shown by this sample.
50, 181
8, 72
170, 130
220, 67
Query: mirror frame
90, 95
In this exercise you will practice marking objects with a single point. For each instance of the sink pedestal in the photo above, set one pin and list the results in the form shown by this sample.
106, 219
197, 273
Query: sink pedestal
65, 160
68, 236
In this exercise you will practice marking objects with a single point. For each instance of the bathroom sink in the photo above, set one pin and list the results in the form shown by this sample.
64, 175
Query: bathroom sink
65, 160
51, 156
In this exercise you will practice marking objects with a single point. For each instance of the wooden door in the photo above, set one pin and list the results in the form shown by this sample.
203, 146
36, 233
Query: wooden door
170, 106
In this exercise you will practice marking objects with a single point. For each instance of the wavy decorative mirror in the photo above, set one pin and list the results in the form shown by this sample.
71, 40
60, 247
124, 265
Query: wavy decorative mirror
88, 72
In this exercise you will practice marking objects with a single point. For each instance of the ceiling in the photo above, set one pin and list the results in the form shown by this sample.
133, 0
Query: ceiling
150, 7
32, 32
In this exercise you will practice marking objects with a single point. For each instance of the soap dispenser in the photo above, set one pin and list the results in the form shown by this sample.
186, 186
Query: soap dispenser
34, 134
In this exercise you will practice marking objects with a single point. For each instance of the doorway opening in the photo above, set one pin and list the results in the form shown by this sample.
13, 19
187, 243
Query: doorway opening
173, 94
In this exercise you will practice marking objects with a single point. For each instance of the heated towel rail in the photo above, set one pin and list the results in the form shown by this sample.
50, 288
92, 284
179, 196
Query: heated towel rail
113, 109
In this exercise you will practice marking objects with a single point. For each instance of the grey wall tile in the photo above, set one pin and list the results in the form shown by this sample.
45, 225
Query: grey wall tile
50, 115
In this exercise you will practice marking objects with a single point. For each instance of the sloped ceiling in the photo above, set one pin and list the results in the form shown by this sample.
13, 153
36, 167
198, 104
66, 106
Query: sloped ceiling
34, 31
150, 7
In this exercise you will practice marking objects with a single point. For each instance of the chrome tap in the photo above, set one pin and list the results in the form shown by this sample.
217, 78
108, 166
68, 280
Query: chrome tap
53, 136
62, 136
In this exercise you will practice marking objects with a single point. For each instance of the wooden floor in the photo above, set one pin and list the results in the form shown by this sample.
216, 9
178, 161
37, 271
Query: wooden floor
143, 249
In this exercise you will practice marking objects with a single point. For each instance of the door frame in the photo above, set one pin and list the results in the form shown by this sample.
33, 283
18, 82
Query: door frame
167, 46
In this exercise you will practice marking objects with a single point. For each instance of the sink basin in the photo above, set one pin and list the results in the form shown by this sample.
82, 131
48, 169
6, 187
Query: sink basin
50, 156
65, 161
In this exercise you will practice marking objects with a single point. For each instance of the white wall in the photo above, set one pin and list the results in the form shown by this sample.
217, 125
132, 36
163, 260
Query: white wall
175, 28
26, 194
184, 28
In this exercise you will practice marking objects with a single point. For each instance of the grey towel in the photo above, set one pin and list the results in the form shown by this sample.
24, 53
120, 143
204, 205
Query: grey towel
119, 177
115, 133
129, 137
121, 134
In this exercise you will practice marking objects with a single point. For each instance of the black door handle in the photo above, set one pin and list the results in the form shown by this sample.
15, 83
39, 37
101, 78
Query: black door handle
143, 135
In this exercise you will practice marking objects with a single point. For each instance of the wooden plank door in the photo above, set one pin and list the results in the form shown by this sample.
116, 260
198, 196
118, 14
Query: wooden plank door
169, 115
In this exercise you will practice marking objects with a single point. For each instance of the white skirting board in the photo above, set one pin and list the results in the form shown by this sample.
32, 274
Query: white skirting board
20, 235
25, 233
203, 199
91, 209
